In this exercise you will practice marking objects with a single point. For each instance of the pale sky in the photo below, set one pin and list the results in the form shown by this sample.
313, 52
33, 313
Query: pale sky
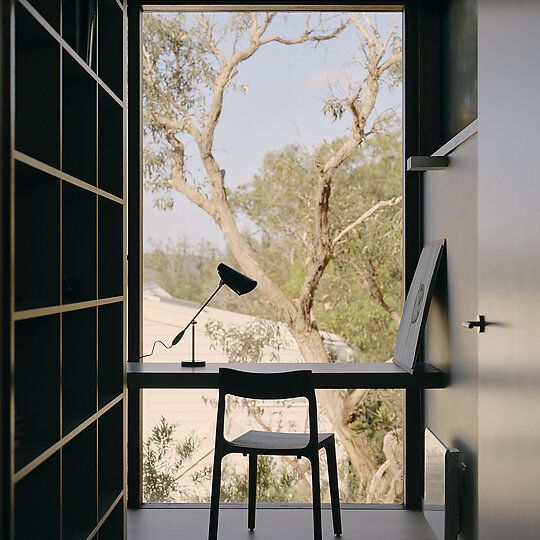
286, 85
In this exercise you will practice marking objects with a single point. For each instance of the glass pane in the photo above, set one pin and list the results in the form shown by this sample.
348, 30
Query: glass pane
179, 431
280, 158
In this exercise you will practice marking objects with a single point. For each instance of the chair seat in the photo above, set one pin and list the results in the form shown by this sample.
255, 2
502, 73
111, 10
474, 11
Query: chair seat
277, 442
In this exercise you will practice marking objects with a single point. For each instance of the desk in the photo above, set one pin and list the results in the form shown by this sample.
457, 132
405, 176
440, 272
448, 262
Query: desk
325, 376
338, 375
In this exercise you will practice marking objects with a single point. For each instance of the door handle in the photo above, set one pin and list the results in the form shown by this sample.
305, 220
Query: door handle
480, 324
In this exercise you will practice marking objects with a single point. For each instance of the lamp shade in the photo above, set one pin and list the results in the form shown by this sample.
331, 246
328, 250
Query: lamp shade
236, 281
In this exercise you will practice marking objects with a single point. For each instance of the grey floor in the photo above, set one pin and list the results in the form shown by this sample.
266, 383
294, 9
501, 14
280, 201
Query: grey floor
276, 524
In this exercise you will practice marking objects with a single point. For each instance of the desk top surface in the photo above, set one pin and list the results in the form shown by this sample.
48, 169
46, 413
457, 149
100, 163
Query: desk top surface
327, 375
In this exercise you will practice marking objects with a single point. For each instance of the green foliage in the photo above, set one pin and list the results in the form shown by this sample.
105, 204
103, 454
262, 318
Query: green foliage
247, 343
162, 460
334, 107
367, 263
177, 54
279, 201
378, 414
361, 287
183, 71
275, 483
189, 272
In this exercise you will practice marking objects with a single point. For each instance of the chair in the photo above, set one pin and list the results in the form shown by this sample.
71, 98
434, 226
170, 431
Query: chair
286, 385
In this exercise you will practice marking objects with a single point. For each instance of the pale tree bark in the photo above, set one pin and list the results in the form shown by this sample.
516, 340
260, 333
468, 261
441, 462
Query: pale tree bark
387, 482
295, 312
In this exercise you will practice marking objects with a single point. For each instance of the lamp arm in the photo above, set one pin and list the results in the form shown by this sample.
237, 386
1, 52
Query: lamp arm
180, 335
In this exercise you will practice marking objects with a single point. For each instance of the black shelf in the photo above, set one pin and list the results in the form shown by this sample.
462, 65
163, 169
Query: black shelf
79, 100
37, 387
110, 255
37, 90
49, 10
113, 527
110, 45
68, 257
79, 367
79, 25
37, 512
37, 230
110, 458
78, 244
110, 352
79, 485
110, 156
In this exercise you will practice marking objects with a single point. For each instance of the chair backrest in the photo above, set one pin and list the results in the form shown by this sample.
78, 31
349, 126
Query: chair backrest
284, 385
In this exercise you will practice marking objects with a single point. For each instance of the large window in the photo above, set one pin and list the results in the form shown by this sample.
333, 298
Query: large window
273, 143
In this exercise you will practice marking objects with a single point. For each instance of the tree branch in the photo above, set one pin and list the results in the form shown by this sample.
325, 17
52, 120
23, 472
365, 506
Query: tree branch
360, 112
390, 202
150, 77
392, 61
305, 37
372, 287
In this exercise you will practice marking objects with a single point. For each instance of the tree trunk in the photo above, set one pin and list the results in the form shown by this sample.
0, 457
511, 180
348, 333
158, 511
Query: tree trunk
332, 403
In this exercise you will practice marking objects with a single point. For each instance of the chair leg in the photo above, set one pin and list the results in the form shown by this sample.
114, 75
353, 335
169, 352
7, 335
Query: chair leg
252, 490
214, 501
316, 492
333, 484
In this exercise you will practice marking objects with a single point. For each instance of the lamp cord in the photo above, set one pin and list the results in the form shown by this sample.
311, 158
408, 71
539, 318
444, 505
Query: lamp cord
153, 347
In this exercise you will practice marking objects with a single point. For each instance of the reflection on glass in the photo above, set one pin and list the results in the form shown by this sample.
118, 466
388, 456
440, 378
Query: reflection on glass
434, 472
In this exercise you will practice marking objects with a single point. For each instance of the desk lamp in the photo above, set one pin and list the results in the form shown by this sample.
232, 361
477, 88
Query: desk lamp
237, 282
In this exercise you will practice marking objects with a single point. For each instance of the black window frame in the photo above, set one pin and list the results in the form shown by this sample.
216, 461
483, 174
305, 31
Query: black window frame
421, 136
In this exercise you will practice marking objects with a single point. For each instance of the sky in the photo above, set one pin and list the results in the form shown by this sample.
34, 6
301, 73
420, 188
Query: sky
284, 87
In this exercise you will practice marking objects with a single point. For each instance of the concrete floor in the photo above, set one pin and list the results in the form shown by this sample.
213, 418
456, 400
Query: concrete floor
275, 524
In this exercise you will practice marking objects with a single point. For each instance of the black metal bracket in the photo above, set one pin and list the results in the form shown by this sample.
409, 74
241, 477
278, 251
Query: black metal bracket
427, 163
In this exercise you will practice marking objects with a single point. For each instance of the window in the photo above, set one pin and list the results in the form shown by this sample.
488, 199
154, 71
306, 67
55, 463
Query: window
316, 203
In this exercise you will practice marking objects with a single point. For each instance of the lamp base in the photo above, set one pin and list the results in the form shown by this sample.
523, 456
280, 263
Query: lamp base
193, 363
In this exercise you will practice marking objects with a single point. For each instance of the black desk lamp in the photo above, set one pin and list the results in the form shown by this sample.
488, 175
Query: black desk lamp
237, 282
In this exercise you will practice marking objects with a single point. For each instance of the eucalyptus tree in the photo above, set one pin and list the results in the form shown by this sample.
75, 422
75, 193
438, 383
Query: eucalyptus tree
190, 63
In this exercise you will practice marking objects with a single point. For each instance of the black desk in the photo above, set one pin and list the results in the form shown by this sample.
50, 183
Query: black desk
338, 375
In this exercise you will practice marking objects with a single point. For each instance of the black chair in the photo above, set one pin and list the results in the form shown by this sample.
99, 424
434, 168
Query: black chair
286, 385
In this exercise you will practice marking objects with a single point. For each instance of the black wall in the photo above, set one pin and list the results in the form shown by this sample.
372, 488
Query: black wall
459, 62
487, 205
450, 211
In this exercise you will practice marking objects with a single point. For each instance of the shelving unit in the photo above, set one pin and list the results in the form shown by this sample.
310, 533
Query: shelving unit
68, 258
